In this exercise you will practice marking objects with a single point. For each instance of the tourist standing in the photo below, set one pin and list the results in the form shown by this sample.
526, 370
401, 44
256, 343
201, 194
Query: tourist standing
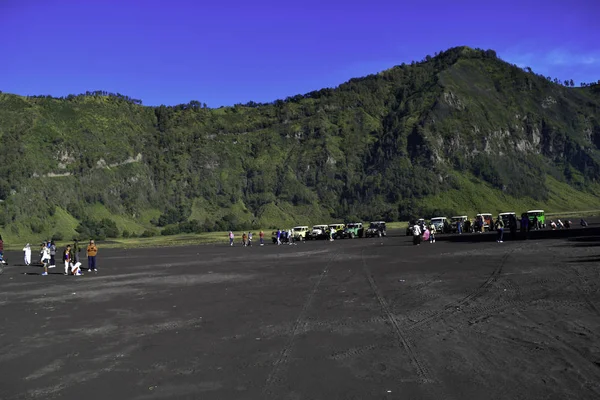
261, 236
45, 257
52, 254
499, 229
416, 235
92, 250
27, 254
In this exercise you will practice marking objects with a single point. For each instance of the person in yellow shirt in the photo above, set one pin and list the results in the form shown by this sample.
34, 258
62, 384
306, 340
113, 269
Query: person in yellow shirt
92, 250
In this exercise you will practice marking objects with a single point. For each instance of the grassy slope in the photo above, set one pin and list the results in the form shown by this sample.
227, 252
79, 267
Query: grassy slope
471, 196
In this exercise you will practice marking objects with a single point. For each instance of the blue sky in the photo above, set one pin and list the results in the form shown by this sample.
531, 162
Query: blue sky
222, 53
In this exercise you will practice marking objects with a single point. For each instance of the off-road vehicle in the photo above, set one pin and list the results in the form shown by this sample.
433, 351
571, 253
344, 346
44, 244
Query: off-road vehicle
338, 230
441, 224
354, 230
541, 217
300, 232
376, 229
454, 223
318, 232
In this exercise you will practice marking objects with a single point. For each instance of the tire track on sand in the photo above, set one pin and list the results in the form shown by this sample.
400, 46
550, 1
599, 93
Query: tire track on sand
473, 295
275, 375
424, 375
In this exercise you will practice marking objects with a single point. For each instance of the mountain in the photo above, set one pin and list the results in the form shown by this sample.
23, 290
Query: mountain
460, 132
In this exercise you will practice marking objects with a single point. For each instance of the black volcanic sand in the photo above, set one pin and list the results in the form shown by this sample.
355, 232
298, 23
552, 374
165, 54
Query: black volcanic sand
464, 318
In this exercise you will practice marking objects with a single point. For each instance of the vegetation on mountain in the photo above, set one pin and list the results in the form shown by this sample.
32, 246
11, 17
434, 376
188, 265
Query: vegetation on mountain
459, 132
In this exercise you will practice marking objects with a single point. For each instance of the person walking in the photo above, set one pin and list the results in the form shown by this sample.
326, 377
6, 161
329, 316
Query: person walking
27, 254
92, 250
278, 237
45, 257
416, 235
432, 231
261, 236
250, 239
244, 239
500, 230
231, 237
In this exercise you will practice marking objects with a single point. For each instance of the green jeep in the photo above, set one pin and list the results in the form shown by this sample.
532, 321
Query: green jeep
541, 217
353, 230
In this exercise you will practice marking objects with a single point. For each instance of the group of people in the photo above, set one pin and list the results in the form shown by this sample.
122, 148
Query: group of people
425, 232
287, 236
70, 257
247, 238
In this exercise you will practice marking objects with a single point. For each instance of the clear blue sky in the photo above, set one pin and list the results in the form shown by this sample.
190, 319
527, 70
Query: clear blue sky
226, 52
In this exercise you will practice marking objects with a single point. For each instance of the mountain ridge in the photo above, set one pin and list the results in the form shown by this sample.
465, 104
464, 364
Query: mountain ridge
382, 146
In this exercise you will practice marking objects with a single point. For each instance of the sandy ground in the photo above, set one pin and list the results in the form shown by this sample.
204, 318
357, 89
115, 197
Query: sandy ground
464, 318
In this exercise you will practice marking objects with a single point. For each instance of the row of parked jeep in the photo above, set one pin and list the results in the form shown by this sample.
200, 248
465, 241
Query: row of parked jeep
451, 225
337, 231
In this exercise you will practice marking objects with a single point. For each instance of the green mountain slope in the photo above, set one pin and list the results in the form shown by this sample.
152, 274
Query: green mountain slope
452, 133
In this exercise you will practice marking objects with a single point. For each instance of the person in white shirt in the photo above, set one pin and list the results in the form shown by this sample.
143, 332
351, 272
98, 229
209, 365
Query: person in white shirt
27, 254
45, 257
416, 235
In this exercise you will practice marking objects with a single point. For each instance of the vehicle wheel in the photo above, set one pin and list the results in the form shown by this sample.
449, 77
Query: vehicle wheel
351, 235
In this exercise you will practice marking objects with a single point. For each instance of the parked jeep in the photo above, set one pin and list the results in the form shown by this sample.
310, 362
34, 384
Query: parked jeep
318, 232
338, 230
441, 224
541, 217
353, 230
376, 229
488, 222
454, 223
300, 232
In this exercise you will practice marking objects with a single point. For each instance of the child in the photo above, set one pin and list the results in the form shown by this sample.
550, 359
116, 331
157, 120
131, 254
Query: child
27, 254
45, 257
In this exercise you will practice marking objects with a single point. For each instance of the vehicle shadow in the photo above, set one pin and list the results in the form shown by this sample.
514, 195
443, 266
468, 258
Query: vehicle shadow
589, 237
585, 260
